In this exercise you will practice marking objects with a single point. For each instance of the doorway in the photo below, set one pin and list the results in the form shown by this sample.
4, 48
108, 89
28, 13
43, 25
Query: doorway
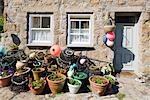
126, 41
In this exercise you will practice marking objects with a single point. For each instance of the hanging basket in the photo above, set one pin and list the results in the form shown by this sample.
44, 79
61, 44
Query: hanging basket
109, 28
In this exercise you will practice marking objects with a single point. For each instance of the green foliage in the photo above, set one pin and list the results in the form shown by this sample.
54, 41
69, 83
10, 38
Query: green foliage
13, 46
120, 96
98, 80
37, 83
79, 75
55, 77
1, 24
111, 80
73, 82
4, 74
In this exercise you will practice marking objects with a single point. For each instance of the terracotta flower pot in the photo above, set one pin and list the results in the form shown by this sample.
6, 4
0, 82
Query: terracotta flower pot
37, 73
109, 28
56, 86
5, 81
38, 90
98, 88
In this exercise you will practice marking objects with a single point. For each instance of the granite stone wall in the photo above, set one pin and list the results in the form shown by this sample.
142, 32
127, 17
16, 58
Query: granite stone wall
16, 11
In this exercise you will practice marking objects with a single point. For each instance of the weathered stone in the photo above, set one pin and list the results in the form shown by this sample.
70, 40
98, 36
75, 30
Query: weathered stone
136, 2
94, 1
17, 21
121, 2
6, 94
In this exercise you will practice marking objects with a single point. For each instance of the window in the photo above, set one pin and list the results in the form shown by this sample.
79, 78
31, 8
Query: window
80, 30
40, 29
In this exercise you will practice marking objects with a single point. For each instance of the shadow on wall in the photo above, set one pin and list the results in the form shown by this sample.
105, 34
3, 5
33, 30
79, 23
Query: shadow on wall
122, 55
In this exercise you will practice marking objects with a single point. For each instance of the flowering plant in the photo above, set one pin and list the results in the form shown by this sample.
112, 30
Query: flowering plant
36, 84
4, 73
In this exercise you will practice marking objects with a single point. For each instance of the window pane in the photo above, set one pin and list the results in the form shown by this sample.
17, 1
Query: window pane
84, 38
84, 24
74, 24
75, 30
74, 38
41, 36
85, 31
45, 22
35, 22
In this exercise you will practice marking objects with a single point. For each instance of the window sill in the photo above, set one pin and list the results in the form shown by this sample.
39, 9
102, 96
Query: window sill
41, 45
80, 45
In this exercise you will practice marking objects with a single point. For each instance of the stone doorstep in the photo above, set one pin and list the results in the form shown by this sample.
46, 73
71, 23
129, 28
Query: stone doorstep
126, 73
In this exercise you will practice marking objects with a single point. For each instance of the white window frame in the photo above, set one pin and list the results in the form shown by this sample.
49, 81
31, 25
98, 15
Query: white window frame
40, 43
78, 17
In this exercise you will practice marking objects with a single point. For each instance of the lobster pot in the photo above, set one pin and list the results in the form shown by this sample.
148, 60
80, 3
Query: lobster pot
19, 84
93, 72
67, 55
62, 63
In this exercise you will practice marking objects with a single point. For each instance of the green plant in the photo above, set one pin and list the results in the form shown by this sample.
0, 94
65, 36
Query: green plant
53, 67
13, 46
120, 96
20, 70
79, 75
37, 83
1, 24
111, 79
55, 77
73, 82
98, 80
4, 74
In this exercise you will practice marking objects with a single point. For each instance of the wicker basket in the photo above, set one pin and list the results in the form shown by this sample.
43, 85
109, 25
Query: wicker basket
109, 28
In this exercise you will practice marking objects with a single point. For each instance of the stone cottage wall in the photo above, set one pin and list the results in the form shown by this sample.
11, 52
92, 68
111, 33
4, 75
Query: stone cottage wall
16, 14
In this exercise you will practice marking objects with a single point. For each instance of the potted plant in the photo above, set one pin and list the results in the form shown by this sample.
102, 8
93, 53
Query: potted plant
40, 55
82, 76
21, 69
98, 84
52, 68
62, 70
37, 71
56, 82
37, 86
5, 77
74, 85
112, 80
13, 46
48, 58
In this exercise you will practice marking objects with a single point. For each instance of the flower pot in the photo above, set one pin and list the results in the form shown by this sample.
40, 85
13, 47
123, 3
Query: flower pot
38, 90
74, 88
5, 81
25, 73
82, 79
109, 28
56, 86
52, 68
111, 79
98, 88
19, 84
37, 73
